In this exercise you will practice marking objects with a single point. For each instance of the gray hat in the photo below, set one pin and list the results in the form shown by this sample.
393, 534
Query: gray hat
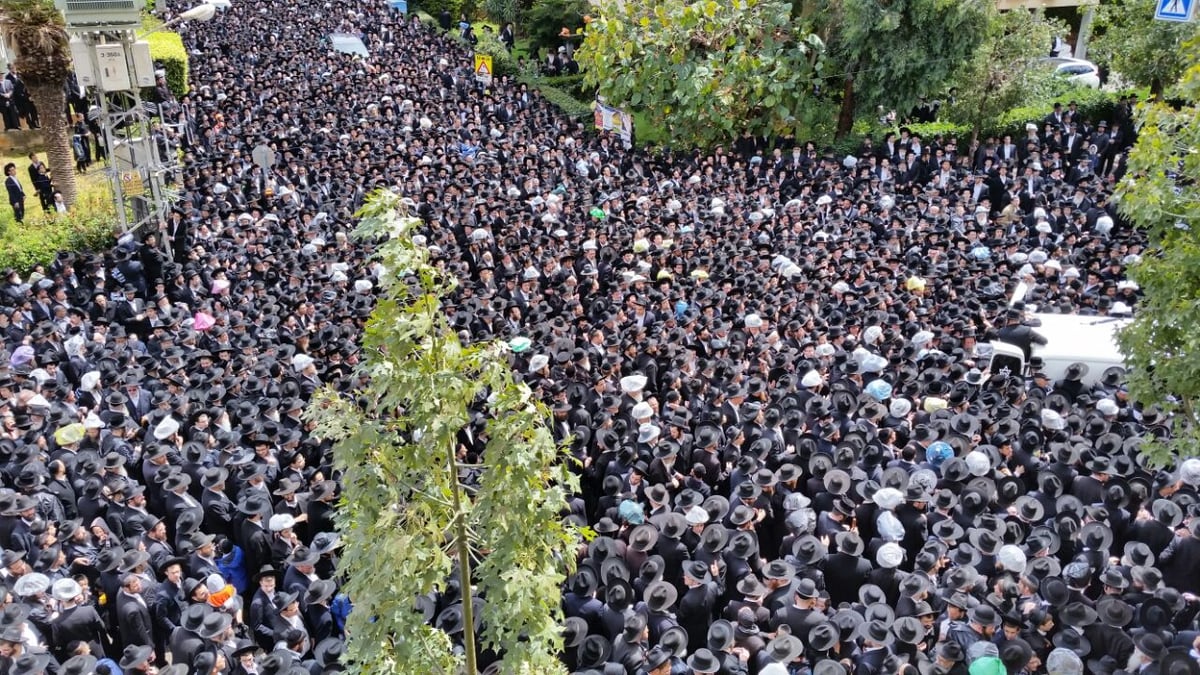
1063, 662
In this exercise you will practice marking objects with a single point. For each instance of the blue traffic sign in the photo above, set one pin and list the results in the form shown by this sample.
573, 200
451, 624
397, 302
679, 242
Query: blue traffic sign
1175, 10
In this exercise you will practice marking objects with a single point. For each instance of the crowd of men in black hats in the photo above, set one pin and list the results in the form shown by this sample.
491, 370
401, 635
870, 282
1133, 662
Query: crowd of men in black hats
764, 361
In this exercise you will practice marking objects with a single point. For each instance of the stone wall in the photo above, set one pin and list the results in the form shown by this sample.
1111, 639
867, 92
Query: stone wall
21, 142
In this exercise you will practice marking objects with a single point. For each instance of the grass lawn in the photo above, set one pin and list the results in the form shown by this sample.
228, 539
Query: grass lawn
92, 184
88, 225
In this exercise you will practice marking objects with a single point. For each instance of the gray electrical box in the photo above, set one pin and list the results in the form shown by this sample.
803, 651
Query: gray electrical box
107, 14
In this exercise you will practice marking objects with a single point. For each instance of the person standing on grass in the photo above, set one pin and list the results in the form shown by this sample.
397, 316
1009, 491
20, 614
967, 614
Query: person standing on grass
16, 193
39, 175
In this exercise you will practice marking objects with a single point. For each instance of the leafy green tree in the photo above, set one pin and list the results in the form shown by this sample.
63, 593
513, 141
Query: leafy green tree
546, 18
1130, 41
889, 52
707, 70
407, 519
1161, 194
1004, 72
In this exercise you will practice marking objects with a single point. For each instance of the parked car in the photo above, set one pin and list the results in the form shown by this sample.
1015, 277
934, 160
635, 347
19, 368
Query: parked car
1077, 71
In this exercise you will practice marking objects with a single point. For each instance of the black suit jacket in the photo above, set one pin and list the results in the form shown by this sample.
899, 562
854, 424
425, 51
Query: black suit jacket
80, 623
16, 193
134, 620
844, 576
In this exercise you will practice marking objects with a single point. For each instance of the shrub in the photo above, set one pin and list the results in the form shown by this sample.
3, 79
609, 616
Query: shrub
88, 227
569, 105
502, 61
167, 48
501, 11
456, 7
946, 129
425, 18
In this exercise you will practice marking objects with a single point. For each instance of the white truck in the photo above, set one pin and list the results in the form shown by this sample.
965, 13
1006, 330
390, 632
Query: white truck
1070, 338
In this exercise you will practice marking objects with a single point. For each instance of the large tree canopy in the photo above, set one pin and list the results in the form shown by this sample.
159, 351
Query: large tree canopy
890, 52
1139, 47
708, 70
1005, 70
1161, 194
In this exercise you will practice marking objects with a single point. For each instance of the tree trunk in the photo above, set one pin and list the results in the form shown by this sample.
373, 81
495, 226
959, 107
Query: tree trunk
1157, 87
51, 104
845, 122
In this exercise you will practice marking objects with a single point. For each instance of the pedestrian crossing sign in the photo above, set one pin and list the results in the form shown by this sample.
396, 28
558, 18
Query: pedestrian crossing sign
1175, 10
483, 68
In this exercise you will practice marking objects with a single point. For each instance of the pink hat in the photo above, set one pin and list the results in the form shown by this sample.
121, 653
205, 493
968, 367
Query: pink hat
202, 322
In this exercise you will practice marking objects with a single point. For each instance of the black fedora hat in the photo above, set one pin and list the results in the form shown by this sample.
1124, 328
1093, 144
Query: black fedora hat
1114, 612
876, 631
850, 543
660, 596
720, 635
909, 630
1154, 614
1073, 640
808, 550
1078, 615
135, 656
785, 649
575, 629
823, 636
594, 651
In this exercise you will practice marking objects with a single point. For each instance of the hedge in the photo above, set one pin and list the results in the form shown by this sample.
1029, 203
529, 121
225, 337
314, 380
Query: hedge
88, 227
167, 48
562, 99
503, 62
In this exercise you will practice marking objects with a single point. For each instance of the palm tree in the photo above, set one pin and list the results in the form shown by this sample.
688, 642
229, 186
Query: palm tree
37, 38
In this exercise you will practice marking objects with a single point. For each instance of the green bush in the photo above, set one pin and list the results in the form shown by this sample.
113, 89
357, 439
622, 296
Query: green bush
1093, 104
426, 19
167, 48
946, 129
502, 61
88, 227
457, 7
569, 105
572, 84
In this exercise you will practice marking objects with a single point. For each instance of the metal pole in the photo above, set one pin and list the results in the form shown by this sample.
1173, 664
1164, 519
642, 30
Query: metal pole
109, 141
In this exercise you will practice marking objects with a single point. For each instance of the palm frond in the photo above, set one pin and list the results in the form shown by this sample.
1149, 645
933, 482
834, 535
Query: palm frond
35, 33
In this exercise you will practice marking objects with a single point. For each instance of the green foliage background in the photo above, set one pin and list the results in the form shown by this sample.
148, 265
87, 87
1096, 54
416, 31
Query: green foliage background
1161, 194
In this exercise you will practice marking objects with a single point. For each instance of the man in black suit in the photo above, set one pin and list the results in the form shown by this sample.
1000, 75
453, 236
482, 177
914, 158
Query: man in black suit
218, 508
133, 614
16, 193
76, 621
39, 175
846, 571
168, 604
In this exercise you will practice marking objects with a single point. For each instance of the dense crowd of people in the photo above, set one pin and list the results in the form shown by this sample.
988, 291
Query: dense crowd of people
763, 358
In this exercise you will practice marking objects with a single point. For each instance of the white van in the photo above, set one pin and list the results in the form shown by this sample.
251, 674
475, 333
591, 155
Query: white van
1091, 340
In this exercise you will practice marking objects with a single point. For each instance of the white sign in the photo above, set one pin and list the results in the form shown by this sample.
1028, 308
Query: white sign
1175, 10
112, 68
615, 120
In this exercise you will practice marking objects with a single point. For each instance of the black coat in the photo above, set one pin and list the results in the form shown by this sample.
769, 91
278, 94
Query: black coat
80, 623
135, 622
844, 576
